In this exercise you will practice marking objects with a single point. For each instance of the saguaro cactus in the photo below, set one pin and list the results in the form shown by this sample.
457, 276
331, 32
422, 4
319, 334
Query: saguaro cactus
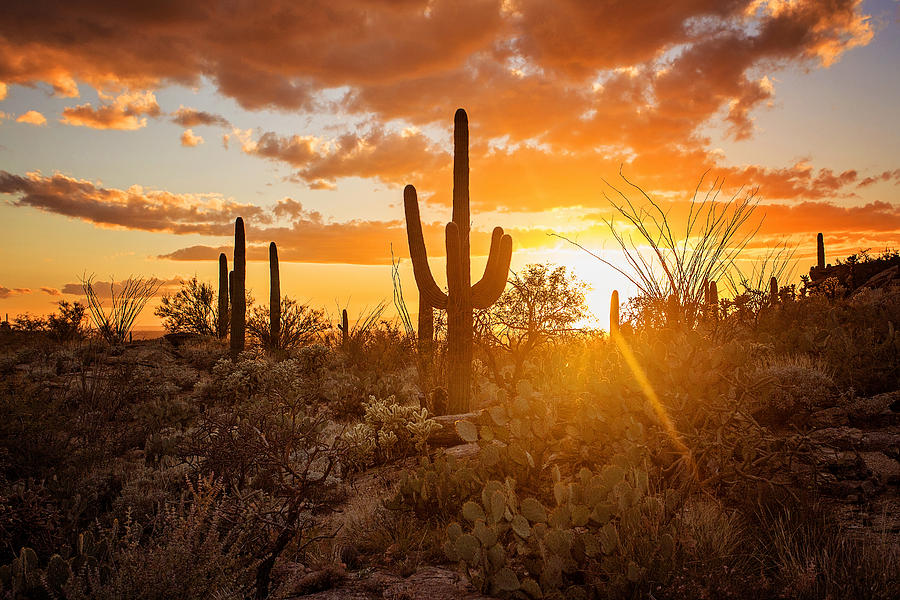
461, 296
274, 297
614, 314
345, 328
238, 287
712, 299
773, 290
222, 323
820, 251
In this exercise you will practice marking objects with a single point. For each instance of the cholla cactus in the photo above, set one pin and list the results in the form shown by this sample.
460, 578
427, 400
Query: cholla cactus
462, 297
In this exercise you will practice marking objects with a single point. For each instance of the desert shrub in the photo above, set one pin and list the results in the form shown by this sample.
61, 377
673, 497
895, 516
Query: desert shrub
192, 549
65, 323
26, 322
542, 305
300, 325
193, 309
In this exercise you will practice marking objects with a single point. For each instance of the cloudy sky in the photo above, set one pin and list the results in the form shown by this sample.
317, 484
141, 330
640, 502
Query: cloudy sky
132, 136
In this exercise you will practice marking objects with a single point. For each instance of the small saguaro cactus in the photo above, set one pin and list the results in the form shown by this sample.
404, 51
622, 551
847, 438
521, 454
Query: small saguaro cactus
462, 297
712, 299
222, 323
614, 314
274, 297
345, 328
820, 251
773, 290
238, 287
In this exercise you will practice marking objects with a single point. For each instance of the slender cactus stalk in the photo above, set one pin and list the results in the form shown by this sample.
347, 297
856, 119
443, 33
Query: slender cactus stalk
222, 323
462, 297
773, 290
614, 314
238, 289
820, 251
274, 298
713, 300
345, 329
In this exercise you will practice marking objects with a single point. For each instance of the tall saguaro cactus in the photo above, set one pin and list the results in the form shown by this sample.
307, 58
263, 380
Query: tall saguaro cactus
238, 287
222, 323
614, 314
820, 251
462, 297
274, 297
773, 290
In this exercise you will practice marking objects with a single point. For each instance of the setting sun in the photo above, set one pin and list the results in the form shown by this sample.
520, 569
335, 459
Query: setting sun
445, 299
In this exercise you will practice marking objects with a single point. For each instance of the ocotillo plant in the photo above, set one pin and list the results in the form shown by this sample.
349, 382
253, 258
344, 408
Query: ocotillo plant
461, 296
238, 287
614, 314
222, 323
820, 251
274, 297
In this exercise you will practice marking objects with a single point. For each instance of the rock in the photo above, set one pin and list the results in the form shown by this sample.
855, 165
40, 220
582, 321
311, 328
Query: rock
885, 469
880, 410
431, 583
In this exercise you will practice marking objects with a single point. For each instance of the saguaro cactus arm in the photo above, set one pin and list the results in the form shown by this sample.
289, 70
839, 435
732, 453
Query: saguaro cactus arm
486, 291
417, 252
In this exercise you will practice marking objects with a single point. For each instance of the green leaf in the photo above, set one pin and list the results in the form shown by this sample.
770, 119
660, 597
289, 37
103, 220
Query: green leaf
467, 547
609, 538
485, 534
467, 431
490, 455
633, 572
505, 580
472, 511
531, 587
666, 545
533, 510
498, 505
520, 526
498, 415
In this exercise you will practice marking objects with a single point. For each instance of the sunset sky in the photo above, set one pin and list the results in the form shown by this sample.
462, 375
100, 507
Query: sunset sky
132, 136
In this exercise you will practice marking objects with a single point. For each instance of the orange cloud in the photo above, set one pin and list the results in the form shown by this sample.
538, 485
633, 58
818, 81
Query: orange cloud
51, 291
189, 139
134, 208
32, 117
189, 117
6, 292
125, 112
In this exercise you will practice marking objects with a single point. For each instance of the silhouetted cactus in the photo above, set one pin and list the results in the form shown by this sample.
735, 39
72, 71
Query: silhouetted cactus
345, 328
820, 251
462, 296
712, 299
274, 297
773, 290
238, 287
614, 314
224, 286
